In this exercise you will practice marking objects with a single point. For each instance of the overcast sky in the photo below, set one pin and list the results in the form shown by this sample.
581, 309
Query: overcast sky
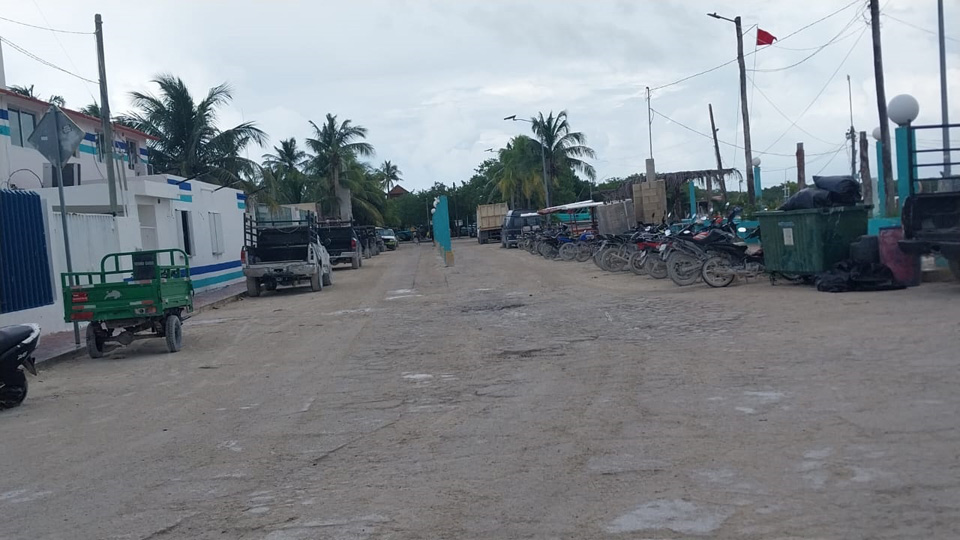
432, 80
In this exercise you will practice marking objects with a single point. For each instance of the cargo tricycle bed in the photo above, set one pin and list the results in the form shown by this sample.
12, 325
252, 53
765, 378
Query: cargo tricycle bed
142, 294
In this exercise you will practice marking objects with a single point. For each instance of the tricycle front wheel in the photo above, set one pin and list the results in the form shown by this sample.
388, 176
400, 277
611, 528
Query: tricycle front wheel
173, 333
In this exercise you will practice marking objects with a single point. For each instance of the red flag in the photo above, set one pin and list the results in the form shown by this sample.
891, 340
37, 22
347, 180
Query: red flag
764, 37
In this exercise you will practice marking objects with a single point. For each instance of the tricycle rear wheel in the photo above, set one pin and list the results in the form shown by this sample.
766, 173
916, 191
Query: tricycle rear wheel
94, 342
173, 333
253, 287
316, 284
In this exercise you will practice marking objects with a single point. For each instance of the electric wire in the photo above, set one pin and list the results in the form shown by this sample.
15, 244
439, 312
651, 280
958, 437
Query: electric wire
32, 56
45, 27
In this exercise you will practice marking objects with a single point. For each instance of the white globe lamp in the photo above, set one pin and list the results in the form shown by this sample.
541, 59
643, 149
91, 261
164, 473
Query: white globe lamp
756, 162
903, 109
876, 133
433, 211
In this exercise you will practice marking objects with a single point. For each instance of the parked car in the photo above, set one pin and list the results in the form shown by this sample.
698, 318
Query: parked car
404, 236
284, 253
389, 238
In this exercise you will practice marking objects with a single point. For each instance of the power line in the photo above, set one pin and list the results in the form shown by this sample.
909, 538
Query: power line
702, 134
818, 47
44, 62
817, 51
822, 89
795, 32
64, 49
785, 117
45, 28
827, 164
915, 27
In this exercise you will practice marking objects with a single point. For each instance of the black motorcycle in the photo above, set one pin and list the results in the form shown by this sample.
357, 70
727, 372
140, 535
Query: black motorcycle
17, 344
729, 260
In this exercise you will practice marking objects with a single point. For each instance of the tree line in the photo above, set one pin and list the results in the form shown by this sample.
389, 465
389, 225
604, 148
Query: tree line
331, 163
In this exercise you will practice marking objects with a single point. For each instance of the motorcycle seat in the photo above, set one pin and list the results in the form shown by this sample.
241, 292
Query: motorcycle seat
11, 336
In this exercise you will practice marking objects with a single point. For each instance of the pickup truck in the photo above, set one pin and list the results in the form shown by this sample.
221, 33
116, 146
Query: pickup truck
284, 253
342, 242
490, 222
931, 213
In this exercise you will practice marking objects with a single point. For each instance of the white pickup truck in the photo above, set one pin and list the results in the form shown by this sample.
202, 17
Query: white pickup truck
287, 253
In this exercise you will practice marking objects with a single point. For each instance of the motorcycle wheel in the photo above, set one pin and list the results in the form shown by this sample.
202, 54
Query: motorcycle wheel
568, 251
656, 267
614, 262
638, 262
598, 258
683, 269
13, 390
716, 272
584, 252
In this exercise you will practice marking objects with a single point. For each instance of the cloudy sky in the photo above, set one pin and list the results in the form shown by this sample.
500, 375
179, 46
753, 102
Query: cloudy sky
432, 80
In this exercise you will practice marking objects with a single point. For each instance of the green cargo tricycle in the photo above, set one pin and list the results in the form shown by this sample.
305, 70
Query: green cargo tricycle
138, 295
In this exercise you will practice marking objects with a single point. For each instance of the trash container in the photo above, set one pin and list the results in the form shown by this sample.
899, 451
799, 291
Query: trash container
809, 241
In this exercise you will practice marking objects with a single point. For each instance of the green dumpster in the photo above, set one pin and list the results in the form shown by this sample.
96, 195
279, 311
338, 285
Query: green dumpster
809, 241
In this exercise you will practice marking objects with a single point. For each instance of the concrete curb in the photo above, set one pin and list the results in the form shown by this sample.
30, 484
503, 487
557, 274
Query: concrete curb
82, 349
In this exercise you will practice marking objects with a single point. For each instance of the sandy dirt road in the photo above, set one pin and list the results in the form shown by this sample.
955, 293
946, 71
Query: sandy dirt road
508, 397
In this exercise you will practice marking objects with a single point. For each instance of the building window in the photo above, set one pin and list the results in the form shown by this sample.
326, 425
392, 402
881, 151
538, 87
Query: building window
100, 148
133, 153
21, 126
216, 233
186, 234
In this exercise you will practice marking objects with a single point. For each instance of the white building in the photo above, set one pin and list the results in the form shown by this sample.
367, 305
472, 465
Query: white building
157, 211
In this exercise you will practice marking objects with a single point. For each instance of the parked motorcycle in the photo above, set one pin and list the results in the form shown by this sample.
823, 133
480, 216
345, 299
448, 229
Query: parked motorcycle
729, 260
17, 344
687, 253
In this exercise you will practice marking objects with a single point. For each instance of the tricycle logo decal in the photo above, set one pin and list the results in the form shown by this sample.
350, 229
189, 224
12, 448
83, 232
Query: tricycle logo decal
112, 295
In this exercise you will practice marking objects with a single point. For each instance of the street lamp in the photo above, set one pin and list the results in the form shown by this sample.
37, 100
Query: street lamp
747, 152
543, 159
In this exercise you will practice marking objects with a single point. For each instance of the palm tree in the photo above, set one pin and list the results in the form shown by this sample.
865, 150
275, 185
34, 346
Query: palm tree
286, 156
92, 109
334, 145
190, 144
24, 90
389, 175
518, 174
564, 148
57, 100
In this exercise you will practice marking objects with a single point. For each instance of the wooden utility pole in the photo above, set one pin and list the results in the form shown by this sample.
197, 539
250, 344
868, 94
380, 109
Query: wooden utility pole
890, 189
801, 167
747, 152
716, 149
108, 145
865, 169
852, 134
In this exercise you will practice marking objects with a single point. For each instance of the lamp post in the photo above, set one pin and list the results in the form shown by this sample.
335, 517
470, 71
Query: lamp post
880, 210
543, 159
757, 186
747, 152
903, 110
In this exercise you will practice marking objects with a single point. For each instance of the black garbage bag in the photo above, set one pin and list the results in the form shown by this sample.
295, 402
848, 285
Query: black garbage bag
806, 199
847, 276
844, 190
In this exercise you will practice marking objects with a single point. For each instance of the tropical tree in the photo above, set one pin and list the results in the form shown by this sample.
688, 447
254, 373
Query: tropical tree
389, 175
286, 156
92, 109
24, 90
334, 146
189, 142
57, 100
564, 148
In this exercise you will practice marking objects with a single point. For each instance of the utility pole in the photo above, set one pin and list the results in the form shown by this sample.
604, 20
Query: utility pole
944, 111
105, 116
801, 167
649, 123
865, 169
716, 150
747, 152
852, 134
890, 189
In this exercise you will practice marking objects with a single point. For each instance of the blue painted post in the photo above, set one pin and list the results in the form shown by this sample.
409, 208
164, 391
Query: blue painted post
693, 200
881, 209
757, 185
441, 229
903, 164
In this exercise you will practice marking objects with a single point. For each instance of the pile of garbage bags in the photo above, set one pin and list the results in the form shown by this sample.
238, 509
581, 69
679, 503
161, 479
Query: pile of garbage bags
827, 191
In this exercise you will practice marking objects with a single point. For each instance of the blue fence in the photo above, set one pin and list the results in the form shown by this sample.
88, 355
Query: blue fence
25, 280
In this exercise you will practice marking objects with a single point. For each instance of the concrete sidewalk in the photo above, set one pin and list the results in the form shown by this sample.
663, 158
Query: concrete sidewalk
60, 345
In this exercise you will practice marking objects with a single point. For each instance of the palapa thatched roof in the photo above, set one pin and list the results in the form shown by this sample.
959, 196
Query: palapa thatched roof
674, 182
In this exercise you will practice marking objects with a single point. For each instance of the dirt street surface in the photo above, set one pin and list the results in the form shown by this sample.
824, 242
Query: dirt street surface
508, 397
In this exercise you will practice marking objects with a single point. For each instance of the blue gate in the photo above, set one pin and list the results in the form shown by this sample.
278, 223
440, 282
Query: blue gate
24, 268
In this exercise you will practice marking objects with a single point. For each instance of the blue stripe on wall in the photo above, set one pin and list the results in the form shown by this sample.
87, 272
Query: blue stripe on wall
5, 130
4, 115
241, 205
143, 151
88, 149
90, 137
198, 270
206, 282
241, 196
184, 186
186, 198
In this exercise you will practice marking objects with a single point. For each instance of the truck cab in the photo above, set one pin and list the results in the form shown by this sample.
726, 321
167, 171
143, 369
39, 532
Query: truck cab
515, 223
